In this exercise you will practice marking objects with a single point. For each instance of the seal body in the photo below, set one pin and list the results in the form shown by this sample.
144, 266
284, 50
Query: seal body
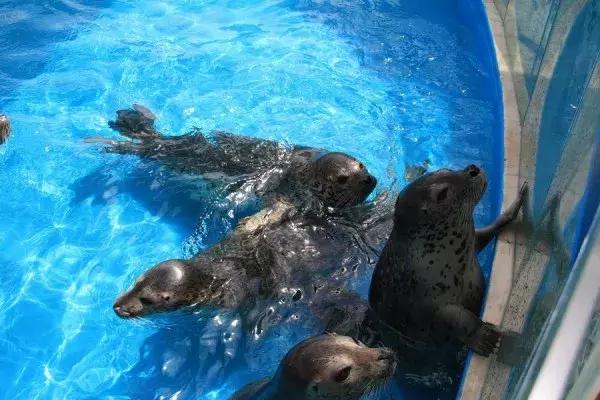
327, 367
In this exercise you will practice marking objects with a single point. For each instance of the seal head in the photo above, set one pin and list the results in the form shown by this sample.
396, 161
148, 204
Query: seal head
435, 196
168, 286
339, 180
329, 367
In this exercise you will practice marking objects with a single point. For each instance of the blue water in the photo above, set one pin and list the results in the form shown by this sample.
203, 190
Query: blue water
390, 82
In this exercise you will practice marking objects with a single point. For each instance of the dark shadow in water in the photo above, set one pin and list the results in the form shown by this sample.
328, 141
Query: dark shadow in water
186, 203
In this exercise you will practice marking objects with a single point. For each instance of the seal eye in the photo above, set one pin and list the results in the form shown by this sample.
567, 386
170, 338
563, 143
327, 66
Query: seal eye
342, 179
361, 166
146, 301
342, 374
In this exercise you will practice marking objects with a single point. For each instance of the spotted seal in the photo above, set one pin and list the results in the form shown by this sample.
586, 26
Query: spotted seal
4, 128
428, 283
270, 171
326, 367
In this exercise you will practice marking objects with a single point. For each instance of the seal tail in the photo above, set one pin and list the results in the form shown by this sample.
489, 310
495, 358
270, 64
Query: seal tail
135, 123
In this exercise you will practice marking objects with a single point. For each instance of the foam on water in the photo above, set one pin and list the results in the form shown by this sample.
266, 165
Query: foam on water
390, 83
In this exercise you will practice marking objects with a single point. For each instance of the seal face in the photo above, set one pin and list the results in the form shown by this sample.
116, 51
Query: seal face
428, 283
326, 367
339, 180
4, 128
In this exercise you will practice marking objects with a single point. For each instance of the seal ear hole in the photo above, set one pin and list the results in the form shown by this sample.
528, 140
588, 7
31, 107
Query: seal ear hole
315, 388
342, 374
342, 179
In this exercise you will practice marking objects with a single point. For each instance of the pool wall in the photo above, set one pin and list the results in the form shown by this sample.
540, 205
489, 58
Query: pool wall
548, 57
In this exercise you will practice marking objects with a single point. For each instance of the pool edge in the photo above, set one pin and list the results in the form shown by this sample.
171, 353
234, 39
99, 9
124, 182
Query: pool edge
503, 264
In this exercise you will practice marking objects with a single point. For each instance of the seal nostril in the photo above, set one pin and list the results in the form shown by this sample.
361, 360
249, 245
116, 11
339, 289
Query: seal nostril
473, 170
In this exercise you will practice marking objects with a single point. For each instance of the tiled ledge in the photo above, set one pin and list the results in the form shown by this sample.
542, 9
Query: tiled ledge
503, 266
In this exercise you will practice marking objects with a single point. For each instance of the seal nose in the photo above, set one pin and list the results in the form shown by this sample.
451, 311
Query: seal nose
473, 170
386, 355
370, 180
121, 312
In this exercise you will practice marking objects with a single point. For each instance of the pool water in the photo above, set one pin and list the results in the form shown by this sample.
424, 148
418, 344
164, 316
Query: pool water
393, 83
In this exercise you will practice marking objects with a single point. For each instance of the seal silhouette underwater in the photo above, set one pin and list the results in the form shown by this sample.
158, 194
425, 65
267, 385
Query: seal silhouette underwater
302, 231
326, 367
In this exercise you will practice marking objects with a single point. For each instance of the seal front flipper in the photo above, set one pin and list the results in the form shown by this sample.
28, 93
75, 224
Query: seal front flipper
486, 234
481, 337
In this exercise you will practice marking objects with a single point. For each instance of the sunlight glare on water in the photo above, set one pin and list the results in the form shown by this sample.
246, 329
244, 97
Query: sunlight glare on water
391, 83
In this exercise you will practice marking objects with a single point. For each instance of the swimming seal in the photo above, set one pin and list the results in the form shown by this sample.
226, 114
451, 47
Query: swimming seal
4, 128
264, 256
300, 175
428, 283
326, 367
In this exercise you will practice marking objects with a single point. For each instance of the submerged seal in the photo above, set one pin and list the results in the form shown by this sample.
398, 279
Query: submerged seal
4, 128
327, 367
428, 284
308, 223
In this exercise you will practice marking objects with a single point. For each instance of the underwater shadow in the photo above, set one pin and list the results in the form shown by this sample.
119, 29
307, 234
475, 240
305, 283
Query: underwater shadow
186, 203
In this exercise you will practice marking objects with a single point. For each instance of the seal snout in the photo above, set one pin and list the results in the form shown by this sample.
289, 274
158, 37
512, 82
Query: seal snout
387, 359
370, 181
127, 308
473, 170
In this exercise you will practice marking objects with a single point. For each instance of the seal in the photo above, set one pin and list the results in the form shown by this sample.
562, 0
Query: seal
4, 128
428, 284
326, 367
300, 175
265, 256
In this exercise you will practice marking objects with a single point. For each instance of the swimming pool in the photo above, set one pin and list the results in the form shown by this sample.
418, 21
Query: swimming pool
392, 83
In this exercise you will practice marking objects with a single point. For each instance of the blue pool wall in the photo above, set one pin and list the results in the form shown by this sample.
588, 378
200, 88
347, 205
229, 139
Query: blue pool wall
554, 58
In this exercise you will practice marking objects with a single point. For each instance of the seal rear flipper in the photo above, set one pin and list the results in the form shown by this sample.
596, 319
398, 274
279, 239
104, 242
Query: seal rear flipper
135, 123
485, 340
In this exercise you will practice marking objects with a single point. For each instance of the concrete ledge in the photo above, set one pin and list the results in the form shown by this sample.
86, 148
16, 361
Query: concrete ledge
503, 266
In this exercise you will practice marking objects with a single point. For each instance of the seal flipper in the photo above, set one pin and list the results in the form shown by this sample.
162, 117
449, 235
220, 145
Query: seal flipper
485, 340
481, 337
484, 235
135, 123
